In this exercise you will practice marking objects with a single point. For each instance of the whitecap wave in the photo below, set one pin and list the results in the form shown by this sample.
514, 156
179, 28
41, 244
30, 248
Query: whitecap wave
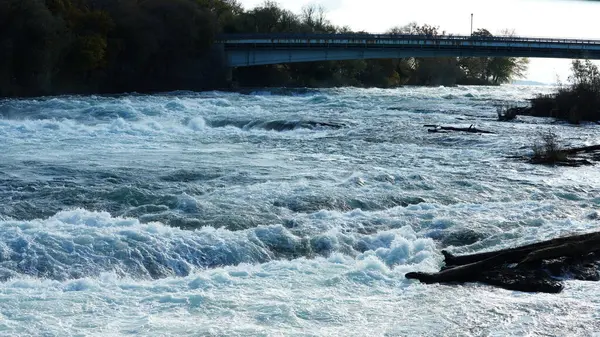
78, 243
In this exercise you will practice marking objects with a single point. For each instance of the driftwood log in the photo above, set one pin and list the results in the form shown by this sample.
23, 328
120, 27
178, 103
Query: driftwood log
538, 267
584, 149
438, 128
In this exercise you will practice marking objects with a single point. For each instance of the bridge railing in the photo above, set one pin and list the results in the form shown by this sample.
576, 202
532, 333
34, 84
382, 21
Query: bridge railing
224, 38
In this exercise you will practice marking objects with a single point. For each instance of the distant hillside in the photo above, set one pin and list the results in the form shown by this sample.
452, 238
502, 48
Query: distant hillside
522, 82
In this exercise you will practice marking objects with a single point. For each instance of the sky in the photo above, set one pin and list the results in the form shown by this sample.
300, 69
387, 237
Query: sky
535, 18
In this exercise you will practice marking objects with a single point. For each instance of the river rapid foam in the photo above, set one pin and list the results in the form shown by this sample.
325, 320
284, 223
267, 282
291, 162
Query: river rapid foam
279, 212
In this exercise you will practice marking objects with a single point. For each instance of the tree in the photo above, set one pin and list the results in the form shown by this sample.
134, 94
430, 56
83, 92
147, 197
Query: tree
314, 16
90, 32
33, 41
585, 74
504, 69
84, 46
476, 69
575, 103
427, 70
492, 70
413, 28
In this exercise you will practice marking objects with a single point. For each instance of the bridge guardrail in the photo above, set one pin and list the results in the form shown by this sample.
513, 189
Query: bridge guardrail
299, 36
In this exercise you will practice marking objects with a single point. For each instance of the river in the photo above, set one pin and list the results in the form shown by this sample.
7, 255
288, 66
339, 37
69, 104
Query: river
279, 212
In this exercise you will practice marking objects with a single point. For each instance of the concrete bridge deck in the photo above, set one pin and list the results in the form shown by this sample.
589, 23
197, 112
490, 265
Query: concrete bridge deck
259, 49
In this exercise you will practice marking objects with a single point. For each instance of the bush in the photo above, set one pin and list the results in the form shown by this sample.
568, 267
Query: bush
576, 103
547, 150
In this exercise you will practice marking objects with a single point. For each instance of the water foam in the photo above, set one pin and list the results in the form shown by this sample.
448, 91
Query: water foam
323, 296
79, 243
319, 223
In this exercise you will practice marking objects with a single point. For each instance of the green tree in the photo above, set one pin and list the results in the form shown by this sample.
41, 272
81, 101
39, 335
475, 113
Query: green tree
33, 42
585, 73
83, 46
504, 69
428, 70
492, 70
89, 30
158, 45
580, 101
225, 12
269, 18
476, 69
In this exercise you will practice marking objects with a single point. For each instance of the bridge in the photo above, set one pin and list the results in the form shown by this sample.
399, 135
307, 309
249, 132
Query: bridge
243, 50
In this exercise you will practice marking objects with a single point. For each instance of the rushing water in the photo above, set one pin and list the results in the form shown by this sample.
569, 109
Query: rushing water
282, 212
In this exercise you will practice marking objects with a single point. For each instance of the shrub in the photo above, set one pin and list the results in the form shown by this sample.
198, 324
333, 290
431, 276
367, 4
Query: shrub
547, 150
576, 103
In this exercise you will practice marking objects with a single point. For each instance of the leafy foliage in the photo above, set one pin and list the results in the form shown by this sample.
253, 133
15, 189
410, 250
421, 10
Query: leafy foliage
102, 46
492, 70
575, 103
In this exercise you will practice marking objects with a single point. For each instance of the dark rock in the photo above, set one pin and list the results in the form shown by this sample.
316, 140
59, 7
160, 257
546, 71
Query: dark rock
508, 114
461, 238
522, 280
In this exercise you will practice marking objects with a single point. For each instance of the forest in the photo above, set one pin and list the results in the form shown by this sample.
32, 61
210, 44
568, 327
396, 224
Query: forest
51, 47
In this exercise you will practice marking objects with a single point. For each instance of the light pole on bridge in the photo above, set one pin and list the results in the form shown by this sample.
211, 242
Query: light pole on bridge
471, 23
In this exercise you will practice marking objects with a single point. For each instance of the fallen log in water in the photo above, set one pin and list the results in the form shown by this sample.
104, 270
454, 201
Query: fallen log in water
537, 267
584, 149
452, 260
437, 128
